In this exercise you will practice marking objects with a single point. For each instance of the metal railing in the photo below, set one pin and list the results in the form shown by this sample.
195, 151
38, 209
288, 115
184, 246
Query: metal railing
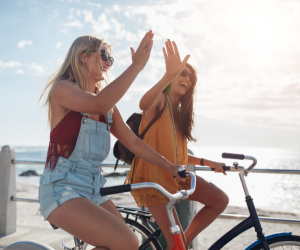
222, 216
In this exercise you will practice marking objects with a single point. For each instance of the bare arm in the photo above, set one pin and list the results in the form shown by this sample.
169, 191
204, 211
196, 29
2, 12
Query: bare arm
123, 133
193, 160
70, 97
153, 98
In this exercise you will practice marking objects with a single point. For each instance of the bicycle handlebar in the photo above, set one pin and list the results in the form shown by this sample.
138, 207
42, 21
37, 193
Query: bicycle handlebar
128, 187
226, 168
233, 156
241, 157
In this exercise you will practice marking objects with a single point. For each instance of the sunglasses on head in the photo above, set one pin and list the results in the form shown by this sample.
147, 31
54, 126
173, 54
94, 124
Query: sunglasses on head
185, 73
105, 56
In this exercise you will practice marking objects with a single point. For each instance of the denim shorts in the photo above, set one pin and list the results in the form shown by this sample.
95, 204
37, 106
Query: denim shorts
67, 181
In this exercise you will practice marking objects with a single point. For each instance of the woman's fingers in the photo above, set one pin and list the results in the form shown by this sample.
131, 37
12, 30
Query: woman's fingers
145, 39
222, 169
165, 53
150, 45
132, 52
169, 47
185, 60
175, 49
148, 37
141, 56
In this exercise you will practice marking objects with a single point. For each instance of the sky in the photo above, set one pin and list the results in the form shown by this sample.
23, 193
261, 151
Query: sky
246, 53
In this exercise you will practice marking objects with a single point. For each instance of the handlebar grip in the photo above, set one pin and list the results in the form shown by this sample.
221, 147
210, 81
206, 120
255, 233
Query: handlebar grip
183, 174
115, 189
226, 168
233, 156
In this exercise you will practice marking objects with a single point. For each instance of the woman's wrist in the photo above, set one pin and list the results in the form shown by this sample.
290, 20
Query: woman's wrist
136, 68
205, 162
168, 77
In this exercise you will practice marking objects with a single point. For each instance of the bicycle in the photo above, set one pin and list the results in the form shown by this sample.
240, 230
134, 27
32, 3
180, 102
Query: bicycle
283, 239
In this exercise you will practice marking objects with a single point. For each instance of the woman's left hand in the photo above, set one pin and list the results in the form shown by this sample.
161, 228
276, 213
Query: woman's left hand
218, 167
174, 65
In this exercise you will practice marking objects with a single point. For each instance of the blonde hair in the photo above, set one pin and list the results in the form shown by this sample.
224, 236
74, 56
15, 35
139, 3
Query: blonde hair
72, 68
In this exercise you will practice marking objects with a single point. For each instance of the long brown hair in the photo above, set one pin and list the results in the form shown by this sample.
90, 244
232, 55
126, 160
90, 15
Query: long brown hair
72, 68
186, 108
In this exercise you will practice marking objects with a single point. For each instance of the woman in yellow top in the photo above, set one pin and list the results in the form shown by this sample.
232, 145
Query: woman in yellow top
168, 136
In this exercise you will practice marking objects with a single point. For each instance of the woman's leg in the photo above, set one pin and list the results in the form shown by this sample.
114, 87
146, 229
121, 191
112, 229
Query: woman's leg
110, 207
161, 217
215, 201
94, 224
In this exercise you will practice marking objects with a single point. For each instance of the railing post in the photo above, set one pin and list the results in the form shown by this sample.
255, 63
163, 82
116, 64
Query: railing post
8, 208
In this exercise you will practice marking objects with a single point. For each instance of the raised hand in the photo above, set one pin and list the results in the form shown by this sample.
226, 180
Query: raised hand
174, 65
142, 54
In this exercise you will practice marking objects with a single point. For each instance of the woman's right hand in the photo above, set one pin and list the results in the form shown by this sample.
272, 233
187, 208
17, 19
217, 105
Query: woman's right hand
174, 171
141, 56
174, 65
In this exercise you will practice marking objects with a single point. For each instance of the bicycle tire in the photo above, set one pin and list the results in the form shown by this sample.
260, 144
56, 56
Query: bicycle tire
28, 245
284, 242
142, 232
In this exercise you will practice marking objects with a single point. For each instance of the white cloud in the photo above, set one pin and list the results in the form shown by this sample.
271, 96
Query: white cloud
54, 14
10, 64
58, 45
94, 4
19, 72
65, 31
75, 23
71, 14
38, 68
23, 43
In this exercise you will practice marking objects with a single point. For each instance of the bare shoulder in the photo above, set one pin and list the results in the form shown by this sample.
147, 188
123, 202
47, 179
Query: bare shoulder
62, 86
151, 113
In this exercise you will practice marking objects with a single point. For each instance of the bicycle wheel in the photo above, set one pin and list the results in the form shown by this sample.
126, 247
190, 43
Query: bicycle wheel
143, 233
281, 242
28, 245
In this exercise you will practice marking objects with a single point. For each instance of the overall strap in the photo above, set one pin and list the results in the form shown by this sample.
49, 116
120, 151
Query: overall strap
108, 119
159, 115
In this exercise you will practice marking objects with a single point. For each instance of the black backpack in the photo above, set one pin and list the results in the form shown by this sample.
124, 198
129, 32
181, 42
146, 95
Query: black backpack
120, 151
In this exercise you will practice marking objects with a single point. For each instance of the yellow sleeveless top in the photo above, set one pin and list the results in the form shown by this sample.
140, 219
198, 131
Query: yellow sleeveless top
161, 138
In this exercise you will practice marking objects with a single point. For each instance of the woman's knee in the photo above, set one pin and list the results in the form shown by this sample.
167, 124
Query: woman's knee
222, 201
125, 242
132, 242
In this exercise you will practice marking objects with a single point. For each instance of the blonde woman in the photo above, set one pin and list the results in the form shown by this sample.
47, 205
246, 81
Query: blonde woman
168, 136
82, 114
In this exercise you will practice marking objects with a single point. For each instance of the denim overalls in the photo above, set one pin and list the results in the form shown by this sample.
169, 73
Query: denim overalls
80, 174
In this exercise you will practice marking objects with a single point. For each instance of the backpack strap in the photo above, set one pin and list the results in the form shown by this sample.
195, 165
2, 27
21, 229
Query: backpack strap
159, 115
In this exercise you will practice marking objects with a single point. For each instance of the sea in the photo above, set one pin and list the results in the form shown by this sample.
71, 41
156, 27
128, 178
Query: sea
273, 192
